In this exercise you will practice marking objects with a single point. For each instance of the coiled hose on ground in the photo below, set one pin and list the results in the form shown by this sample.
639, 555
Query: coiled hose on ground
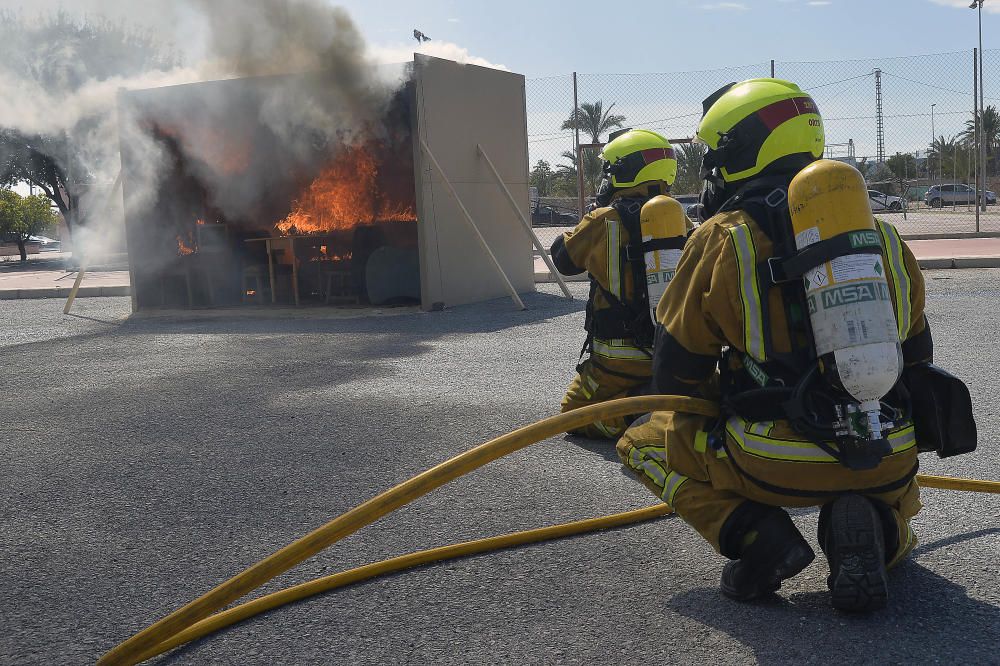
195, 620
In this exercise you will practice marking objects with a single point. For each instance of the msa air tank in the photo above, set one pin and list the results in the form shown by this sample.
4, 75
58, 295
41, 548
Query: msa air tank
850, 307
662, 218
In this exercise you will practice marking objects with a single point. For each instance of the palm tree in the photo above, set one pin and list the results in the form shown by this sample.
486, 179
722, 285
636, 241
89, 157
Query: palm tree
990, 128
949, 157
592, 169
593, 120
689, 157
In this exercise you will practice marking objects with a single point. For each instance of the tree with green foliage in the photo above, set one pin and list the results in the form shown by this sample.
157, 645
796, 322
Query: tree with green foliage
565, 183
58, 57
593, 170
990, 128
949, 158
10, 213
24, 217
593, 120
542, 177
903, 166
689, 157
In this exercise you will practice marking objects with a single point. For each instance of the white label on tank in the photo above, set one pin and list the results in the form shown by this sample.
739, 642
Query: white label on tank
662, 259
807, 237
857, 267
845, 315
816, 278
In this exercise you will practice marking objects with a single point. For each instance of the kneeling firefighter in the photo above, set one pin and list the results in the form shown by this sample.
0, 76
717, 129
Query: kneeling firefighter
629, 245
799, 313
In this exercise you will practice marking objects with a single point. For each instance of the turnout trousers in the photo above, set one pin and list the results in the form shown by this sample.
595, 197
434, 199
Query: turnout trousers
600, 379
704, 478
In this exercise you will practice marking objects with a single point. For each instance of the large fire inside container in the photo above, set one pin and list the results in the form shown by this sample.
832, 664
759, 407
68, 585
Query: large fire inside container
251, 214
349, 192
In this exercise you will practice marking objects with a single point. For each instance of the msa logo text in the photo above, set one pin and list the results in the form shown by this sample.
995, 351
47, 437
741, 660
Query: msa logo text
865, 239
849, 294
660, 276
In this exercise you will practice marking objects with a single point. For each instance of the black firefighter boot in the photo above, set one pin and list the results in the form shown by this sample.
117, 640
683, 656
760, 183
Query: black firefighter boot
766, 548
852, 536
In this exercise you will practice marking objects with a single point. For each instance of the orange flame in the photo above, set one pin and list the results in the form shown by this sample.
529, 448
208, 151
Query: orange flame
346, 194
329, 254
185, 246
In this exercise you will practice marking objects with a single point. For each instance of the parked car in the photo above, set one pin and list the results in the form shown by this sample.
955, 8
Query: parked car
882, 202
9, 247
547, 216
691, 205
47, 244
958, 193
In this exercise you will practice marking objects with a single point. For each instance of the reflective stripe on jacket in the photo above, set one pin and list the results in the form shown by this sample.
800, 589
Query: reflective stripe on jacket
756, 440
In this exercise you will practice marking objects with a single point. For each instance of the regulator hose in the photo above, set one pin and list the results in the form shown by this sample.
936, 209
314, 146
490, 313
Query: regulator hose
195, 621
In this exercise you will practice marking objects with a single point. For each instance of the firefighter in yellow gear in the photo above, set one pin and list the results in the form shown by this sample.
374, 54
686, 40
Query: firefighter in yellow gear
737, 325
639, 165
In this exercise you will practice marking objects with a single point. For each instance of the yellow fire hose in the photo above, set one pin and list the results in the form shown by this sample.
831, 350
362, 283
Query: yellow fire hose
282, 597
195, 620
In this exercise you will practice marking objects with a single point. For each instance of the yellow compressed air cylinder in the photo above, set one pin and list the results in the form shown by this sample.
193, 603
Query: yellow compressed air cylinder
661, 217
850, 307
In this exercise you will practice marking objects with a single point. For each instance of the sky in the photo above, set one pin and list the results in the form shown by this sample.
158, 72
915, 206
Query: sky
829, 47
541, 38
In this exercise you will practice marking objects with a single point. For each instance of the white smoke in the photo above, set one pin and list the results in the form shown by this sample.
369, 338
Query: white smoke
219, 39
448, 50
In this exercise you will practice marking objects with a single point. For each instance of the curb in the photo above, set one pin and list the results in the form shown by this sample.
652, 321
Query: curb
62, 292
959, 262
930, 263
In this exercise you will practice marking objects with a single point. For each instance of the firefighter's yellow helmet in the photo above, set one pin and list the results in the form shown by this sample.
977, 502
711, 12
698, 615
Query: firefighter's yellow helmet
639, 156
750, 125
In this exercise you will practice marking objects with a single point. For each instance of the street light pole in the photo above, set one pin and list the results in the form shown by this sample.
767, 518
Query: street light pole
978, 5
933, 139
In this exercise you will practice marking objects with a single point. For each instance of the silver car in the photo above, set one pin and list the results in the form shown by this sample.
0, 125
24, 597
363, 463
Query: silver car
959, 193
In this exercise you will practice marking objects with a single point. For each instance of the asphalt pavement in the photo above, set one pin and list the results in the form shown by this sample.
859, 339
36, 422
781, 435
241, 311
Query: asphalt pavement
146, 460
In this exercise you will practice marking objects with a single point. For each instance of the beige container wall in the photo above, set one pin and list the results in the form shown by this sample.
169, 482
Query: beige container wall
458, 107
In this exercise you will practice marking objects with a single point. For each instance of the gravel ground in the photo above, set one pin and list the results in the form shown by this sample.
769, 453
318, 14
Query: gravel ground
148, 459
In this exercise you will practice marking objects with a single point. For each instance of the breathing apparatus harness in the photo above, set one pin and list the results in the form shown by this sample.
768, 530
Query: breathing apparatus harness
627, 317
792, 385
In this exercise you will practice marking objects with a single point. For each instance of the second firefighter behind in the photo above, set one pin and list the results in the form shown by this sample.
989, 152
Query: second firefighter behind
629, 246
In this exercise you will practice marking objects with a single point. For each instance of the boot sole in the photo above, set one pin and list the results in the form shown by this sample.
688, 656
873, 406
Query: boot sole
861, 583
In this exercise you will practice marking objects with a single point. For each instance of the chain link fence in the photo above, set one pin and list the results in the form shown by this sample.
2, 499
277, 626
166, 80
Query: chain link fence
907, 123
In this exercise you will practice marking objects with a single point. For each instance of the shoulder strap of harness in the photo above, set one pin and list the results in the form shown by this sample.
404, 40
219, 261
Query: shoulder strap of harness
766, 201
627, 316
588, 321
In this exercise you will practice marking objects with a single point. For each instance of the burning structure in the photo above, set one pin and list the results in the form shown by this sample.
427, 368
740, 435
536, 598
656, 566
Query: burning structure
251, 204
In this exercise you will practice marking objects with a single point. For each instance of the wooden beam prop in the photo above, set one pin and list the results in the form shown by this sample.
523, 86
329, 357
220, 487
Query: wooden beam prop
524, 222
83, 267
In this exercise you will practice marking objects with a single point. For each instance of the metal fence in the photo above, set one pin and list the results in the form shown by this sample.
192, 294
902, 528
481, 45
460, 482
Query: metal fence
907, 123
